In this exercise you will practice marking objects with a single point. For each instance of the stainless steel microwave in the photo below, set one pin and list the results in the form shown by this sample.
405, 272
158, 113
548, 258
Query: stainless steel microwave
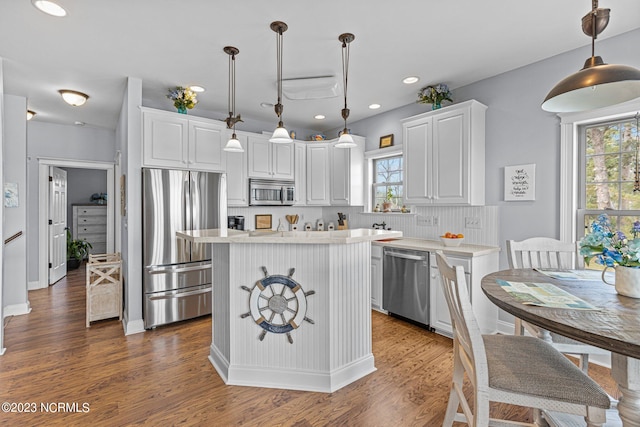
268, 192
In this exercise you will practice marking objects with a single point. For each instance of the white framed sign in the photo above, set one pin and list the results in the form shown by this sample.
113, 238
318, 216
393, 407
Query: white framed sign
520, 182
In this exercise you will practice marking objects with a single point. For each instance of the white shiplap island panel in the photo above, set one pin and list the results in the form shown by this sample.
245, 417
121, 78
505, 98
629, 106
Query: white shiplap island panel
330, 353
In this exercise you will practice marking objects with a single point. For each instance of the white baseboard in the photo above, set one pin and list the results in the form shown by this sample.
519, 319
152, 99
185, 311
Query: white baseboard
2, 350
17, 309
505, 328
133, 326
32, 286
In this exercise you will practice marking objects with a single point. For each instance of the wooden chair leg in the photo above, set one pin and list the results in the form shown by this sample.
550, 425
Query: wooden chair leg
584, 363
454, 399
518, 327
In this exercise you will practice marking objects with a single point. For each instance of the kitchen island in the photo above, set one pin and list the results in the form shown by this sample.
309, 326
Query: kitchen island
291, 310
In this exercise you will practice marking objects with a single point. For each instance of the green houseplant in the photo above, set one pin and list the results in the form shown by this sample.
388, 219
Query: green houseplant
388, 201
77, 250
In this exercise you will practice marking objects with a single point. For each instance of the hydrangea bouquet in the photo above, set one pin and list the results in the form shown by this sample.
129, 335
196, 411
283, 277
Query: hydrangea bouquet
434, 94
610, 247
182, 98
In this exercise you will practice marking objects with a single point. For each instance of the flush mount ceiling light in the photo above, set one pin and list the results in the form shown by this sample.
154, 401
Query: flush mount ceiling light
30, 114
346, 140
410, 80
310, 88
597, 84
319, 117
73, 97
233, 144
197, 88
280, 135
49, 7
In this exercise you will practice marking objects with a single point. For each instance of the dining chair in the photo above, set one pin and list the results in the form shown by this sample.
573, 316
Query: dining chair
544, 252
512, 369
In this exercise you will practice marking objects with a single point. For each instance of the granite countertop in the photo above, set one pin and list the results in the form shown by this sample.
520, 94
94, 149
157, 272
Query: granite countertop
434, 245
288, 237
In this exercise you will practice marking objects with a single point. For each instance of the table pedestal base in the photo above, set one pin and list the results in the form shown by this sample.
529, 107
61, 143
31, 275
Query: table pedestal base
626, 371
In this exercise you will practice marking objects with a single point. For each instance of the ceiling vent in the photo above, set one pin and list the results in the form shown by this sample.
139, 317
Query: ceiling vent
311, 88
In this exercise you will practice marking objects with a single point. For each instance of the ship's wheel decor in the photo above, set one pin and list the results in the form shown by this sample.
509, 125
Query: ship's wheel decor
277, 304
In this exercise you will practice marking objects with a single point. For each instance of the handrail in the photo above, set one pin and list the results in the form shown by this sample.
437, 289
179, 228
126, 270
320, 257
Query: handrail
15, 236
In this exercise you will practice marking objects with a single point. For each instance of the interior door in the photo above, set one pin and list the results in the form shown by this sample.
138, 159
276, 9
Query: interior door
57, 224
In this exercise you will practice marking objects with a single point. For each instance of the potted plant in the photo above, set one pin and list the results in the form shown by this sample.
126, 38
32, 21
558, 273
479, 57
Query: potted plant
77, 250
388, 201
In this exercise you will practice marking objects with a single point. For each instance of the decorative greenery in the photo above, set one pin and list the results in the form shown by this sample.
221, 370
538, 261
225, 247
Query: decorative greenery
77, 249
389, 194
182, 97
434, 94
611, 247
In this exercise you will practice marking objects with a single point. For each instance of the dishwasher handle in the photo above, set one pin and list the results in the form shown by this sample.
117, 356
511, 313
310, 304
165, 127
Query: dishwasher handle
405, 256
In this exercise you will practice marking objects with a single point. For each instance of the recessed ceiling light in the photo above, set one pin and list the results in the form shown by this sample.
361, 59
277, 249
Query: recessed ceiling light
30, 114
374, 106
49, 7
73, 97
77, 123
266, 105
197, 88
410, 80
319, 117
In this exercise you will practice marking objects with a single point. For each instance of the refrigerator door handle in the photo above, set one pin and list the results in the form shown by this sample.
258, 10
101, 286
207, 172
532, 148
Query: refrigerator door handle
180, 294
173, 269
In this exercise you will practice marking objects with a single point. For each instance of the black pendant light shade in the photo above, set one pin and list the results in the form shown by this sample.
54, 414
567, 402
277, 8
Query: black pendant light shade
598, 84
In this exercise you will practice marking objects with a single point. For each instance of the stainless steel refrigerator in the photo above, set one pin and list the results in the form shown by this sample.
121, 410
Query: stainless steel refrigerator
177, 273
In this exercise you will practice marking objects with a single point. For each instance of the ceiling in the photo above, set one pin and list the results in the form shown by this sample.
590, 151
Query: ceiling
167, 43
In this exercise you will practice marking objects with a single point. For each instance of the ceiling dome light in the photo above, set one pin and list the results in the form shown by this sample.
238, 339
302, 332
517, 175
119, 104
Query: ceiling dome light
374, 106
346, 140
30, 114
280, 135
410, 80
319, 117
197, 88
233, 144
49, 7
73, 97
597, 84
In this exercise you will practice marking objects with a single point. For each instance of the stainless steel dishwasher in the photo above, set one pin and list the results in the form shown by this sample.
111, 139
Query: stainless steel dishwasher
405, 284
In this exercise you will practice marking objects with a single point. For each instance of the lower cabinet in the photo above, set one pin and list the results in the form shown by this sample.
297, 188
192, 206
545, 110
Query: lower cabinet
475, 268
376, 277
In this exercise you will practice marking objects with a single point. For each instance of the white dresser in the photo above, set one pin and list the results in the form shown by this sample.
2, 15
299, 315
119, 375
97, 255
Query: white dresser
90, 223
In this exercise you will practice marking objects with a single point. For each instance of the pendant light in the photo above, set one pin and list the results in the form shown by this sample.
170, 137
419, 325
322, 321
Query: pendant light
280, 135
346, 140
597, 84
233, 144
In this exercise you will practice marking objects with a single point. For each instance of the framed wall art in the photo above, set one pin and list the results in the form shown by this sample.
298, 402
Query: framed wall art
386, 141
263, 222
520, 182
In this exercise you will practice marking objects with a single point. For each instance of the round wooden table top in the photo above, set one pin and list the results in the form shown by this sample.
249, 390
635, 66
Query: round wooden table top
614, 327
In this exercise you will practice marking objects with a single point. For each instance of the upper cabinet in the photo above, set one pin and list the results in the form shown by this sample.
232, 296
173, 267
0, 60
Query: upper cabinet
444, 156
318, 174
300, 172
347, 174
172, 140
269, 160
237, 181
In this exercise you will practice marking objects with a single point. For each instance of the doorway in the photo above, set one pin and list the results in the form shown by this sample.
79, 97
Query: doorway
113, 199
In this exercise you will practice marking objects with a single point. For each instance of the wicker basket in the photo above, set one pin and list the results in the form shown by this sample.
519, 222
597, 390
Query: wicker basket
104, 287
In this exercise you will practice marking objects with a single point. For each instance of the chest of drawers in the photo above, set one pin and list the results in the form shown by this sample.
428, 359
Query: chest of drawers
90, 223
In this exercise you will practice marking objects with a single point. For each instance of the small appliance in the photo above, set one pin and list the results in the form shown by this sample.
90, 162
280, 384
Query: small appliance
269, 192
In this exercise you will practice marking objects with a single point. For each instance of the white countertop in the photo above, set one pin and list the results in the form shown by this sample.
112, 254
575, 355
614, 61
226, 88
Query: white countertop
434, 245
288, 237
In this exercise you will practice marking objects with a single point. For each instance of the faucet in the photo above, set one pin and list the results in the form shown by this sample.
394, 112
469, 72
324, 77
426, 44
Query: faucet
381, 226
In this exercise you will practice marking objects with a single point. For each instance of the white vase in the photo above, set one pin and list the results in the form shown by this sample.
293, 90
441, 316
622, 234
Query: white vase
627, 281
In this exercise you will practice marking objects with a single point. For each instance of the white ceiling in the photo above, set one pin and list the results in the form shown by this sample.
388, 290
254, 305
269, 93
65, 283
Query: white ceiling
175, 42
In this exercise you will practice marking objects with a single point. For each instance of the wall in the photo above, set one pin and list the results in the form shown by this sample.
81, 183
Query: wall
15, 278
54, 141
81, 184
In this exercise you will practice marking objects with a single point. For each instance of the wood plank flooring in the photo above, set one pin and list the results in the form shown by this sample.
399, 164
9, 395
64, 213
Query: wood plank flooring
163, 377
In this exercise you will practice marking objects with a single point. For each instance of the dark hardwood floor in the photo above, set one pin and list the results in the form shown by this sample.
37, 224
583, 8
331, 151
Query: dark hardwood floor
163, 377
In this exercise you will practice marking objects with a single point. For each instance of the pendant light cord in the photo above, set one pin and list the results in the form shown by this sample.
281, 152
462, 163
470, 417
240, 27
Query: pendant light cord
345, 69
279, 106
232, 88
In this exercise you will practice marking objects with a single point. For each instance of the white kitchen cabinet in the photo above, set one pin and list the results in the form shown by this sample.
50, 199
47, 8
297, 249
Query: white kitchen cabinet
444, 156
347, 174
475, 268
90, 224
172, 140
318, 174
300, 172
269, 160
237, 181
376, 277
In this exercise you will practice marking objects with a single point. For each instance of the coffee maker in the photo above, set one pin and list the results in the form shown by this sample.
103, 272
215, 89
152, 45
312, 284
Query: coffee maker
235, 222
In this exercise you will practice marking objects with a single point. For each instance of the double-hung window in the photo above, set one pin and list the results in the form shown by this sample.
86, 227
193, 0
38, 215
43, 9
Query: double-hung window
388, 181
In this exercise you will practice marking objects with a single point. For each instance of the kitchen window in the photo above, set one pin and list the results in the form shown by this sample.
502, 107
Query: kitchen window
608, 155
388, 181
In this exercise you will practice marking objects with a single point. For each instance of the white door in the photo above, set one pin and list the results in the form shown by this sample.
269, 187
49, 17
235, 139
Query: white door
57, 224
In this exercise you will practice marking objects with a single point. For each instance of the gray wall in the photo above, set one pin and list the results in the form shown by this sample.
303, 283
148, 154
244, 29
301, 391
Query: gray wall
81, 184
54, 141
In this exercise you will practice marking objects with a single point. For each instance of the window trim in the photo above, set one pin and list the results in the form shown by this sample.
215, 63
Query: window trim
570, 161
369, 157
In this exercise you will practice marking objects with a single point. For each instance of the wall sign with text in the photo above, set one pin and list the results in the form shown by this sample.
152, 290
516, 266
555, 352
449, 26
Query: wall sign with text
520, 182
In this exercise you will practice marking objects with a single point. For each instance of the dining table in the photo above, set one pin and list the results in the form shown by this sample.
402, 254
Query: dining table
612, 322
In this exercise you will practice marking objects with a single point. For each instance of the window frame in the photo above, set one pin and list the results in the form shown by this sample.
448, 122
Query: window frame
378, 154
374, 184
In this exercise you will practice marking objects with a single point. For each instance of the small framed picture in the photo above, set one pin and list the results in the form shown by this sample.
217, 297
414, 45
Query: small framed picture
263, 222
386, 141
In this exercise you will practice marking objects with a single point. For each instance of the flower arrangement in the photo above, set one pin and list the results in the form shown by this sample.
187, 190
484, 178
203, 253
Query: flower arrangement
182, 98
610, 247
434, 94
